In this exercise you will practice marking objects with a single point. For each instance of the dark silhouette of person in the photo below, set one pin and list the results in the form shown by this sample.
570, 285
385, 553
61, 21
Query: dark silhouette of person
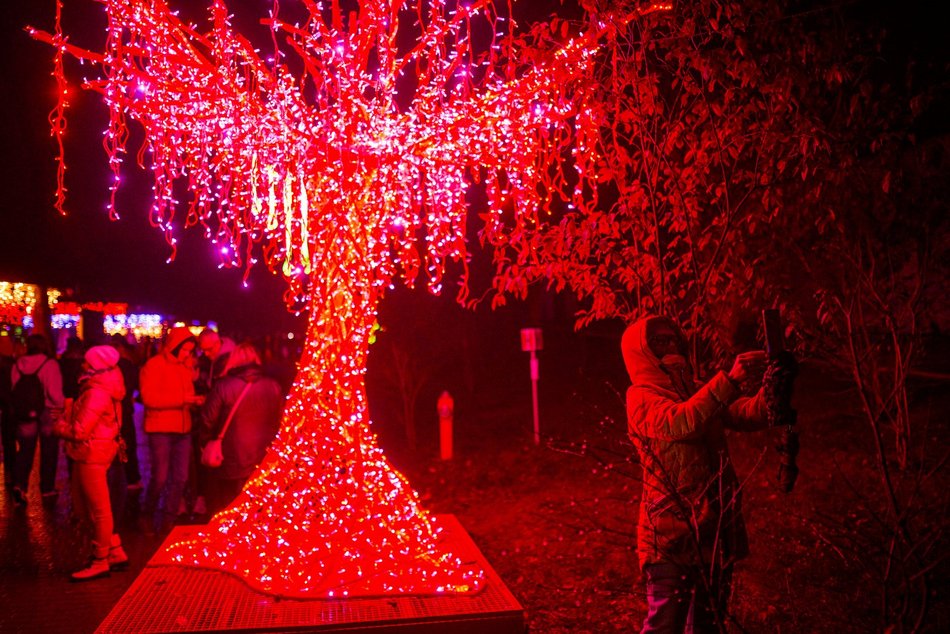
70, 364
130, 374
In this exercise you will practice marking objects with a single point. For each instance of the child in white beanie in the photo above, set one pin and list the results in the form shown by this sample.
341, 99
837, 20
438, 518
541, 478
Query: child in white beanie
92, 441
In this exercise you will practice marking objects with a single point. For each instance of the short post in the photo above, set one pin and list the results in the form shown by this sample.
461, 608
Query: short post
531, 341
446, 407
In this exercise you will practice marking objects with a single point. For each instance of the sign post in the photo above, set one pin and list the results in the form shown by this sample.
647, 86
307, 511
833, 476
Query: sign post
531, 341
446, 407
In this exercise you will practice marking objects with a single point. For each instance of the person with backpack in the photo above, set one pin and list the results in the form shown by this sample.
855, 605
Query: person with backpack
37, 401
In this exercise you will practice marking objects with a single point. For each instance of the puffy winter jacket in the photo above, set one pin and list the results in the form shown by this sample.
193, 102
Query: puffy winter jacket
253, 426
690, 506
93, 426
166, 386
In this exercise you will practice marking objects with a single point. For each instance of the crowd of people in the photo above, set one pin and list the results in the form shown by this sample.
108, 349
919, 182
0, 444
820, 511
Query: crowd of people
194, 391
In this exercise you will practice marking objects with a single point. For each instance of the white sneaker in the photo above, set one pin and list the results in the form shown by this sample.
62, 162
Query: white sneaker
96, 569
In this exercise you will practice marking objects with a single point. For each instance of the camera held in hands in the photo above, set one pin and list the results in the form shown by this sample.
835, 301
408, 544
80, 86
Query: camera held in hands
778, 384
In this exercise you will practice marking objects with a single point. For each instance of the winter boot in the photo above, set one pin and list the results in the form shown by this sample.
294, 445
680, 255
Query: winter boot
98, 568
118, 560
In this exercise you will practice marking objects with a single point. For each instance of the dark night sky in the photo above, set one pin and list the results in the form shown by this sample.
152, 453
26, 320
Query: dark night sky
85, 251
126, 260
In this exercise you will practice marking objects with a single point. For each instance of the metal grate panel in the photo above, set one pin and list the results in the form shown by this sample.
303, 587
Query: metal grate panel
180, 599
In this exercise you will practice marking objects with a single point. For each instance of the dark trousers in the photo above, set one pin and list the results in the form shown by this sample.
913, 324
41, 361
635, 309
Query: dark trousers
685, 599
132, 473
27, 434
221, 492
199, 475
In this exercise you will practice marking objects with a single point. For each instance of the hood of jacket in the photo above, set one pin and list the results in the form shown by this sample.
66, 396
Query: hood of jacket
109, 381
642, 364
30, 363
176, 336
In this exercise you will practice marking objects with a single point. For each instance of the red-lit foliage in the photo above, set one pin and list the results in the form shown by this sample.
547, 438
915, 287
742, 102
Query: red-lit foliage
763, 153
734, 142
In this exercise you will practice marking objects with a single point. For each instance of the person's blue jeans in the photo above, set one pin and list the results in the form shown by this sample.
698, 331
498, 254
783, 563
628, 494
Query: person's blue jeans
170, 457
27, 435
680, 599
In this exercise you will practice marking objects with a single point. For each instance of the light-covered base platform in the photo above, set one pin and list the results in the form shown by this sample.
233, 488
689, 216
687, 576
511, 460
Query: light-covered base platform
179, 599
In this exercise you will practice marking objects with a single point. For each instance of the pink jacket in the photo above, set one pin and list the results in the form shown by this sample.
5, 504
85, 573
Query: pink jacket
93, 426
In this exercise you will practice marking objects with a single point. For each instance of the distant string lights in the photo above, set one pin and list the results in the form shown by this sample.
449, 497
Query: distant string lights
18, 301
349, 173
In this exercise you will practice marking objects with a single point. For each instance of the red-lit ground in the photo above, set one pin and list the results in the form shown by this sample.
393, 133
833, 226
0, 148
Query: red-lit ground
558, 525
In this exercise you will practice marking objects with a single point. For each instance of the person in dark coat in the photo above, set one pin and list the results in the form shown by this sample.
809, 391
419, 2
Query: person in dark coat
130, 374
253, 425
215, 350
70, 364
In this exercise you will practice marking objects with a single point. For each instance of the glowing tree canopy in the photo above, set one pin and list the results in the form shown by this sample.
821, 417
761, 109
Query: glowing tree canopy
348, 164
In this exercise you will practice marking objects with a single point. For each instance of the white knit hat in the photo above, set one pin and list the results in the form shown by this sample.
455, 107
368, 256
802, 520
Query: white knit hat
101, 357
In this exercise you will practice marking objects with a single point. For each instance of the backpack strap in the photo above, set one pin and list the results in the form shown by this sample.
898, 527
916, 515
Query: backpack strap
34, 372
227, 423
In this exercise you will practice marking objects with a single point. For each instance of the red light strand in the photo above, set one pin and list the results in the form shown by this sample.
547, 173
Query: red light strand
336, 174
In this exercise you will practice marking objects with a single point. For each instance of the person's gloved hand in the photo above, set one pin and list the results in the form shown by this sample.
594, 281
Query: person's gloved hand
749, 367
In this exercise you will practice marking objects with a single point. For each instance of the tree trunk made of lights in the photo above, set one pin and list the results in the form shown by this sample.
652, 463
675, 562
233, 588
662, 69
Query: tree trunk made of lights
326, 515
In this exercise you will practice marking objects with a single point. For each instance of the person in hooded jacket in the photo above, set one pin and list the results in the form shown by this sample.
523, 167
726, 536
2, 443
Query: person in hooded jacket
253, 425
690, 530
92, 432
166, 385
37, 361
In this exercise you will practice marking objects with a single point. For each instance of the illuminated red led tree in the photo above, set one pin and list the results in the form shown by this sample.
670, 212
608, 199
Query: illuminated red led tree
347, 168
